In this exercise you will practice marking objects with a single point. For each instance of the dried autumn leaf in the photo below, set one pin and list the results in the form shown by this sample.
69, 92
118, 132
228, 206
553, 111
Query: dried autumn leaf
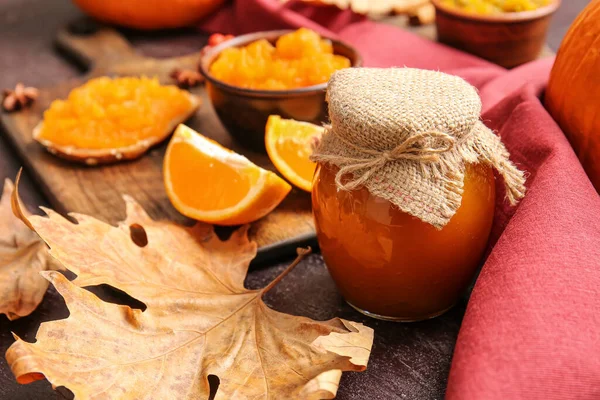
377, 7
199, 320
22, 256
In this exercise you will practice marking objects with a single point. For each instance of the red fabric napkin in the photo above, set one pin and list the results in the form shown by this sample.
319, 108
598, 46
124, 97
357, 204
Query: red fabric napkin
532, 326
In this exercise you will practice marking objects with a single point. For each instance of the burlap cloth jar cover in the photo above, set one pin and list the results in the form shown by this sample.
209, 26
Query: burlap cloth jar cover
406, 135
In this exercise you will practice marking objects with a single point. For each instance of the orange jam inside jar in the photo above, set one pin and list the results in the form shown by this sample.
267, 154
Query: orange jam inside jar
391, 265
298, 59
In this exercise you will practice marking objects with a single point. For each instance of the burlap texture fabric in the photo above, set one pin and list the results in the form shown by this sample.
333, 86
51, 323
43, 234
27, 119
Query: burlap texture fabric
406, 135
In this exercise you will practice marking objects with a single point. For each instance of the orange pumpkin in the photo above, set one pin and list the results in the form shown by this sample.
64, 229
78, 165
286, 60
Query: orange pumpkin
573, 92
149, 14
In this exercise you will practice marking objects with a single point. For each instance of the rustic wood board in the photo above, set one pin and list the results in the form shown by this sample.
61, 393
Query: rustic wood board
98, 191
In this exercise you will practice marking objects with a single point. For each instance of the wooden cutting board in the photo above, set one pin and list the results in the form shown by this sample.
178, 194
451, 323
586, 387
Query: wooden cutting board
97, 191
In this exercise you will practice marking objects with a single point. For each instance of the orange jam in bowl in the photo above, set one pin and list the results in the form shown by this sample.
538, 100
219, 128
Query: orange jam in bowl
496, 6
298, 59
391, 265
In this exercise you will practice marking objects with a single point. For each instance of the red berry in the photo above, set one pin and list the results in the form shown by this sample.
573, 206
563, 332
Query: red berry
218, 38
215, 39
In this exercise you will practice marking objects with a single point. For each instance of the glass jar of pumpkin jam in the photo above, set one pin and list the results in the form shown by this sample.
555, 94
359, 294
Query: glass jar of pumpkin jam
391, 265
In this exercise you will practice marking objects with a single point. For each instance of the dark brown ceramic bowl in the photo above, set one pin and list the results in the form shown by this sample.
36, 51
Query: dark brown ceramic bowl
507, 39
244, 112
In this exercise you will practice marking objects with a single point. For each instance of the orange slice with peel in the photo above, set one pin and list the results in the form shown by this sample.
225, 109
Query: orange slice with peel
110, 119
289, 145
207, 182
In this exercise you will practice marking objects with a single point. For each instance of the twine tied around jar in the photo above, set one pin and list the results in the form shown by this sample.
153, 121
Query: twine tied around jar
406, 136
415, 147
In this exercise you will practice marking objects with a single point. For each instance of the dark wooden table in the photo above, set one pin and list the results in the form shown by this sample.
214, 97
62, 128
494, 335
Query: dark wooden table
409, 361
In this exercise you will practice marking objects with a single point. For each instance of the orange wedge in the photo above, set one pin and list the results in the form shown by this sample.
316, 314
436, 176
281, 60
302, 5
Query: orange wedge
289, 144
207, 182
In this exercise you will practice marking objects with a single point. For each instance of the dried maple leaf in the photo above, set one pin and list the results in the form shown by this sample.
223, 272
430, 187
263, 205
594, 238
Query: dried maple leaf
199, 320
22, 256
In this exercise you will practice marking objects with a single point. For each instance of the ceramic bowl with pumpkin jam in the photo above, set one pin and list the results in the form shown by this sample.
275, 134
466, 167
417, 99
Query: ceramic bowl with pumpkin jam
281, 73
506, 32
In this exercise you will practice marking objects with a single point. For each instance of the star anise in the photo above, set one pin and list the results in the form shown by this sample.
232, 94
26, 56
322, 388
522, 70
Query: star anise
187, 78
21, 97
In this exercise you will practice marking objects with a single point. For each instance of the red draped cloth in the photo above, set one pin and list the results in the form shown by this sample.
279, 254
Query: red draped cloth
532, 325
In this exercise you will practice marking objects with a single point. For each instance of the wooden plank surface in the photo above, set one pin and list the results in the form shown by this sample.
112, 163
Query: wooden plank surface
409, 361
98, 191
